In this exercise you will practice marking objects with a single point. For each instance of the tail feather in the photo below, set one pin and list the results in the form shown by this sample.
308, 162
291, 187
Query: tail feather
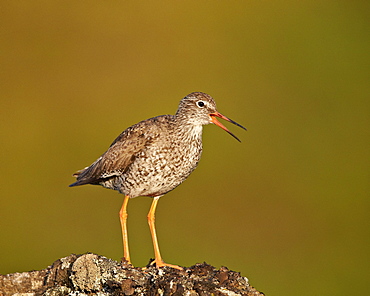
87, 175
80, 181
74, 184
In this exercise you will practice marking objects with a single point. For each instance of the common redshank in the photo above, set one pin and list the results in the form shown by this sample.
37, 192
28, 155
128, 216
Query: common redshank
153, 157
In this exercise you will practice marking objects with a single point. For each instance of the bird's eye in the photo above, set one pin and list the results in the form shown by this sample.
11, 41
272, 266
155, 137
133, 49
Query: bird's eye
200, 104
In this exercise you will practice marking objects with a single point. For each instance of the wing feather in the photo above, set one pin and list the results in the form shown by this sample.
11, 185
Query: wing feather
122, 152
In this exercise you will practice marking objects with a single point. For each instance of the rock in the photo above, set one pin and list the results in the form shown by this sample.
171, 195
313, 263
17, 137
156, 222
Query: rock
91, 274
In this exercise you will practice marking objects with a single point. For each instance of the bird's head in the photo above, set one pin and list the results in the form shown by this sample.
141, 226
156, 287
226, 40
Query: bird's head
200, 109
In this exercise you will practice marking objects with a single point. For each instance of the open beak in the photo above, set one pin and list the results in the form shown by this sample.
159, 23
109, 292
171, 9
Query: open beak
216, 122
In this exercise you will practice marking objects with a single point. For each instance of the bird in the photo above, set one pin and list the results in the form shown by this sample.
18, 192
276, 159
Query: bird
153, 157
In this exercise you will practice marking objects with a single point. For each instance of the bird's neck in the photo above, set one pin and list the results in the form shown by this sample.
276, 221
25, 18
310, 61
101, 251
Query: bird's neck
189, 132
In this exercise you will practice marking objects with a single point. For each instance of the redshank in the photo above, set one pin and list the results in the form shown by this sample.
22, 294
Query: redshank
153, 157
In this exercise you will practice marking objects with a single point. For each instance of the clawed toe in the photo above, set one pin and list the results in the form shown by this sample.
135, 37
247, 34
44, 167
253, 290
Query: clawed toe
160, 264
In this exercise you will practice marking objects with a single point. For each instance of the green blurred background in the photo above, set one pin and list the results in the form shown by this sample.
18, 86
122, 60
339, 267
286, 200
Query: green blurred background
288, 207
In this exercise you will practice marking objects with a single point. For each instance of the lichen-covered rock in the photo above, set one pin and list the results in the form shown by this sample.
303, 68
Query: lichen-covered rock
91, 274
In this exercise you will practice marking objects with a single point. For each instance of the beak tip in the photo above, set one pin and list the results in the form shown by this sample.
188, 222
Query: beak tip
215, 121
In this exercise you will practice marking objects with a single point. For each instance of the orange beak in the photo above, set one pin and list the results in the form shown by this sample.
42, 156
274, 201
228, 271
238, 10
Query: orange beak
216, 122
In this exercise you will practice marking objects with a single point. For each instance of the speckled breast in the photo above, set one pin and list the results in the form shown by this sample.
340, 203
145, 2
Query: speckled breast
162, 167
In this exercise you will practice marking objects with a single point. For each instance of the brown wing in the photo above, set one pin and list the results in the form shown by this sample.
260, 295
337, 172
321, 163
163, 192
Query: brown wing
122, 152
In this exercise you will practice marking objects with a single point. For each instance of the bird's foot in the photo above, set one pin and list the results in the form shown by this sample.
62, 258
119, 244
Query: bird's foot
126, 261
160, 263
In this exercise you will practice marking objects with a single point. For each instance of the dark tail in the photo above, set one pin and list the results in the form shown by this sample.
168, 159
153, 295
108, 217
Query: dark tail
77, 183
81, 182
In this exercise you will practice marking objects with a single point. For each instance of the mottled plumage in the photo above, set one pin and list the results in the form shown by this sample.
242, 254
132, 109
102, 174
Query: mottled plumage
154, 156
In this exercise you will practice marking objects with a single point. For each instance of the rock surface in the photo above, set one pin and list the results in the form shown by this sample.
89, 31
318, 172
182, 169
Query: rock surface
91, 274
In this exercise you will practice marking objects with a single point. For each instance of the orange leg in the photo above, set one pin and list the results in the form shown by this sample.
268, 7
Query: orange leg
123, 219
151, 220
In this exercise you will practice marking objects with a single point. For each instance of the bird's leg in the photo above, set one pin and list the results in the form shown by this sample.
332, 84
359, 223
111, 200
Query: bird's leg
151, 220
123, 219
